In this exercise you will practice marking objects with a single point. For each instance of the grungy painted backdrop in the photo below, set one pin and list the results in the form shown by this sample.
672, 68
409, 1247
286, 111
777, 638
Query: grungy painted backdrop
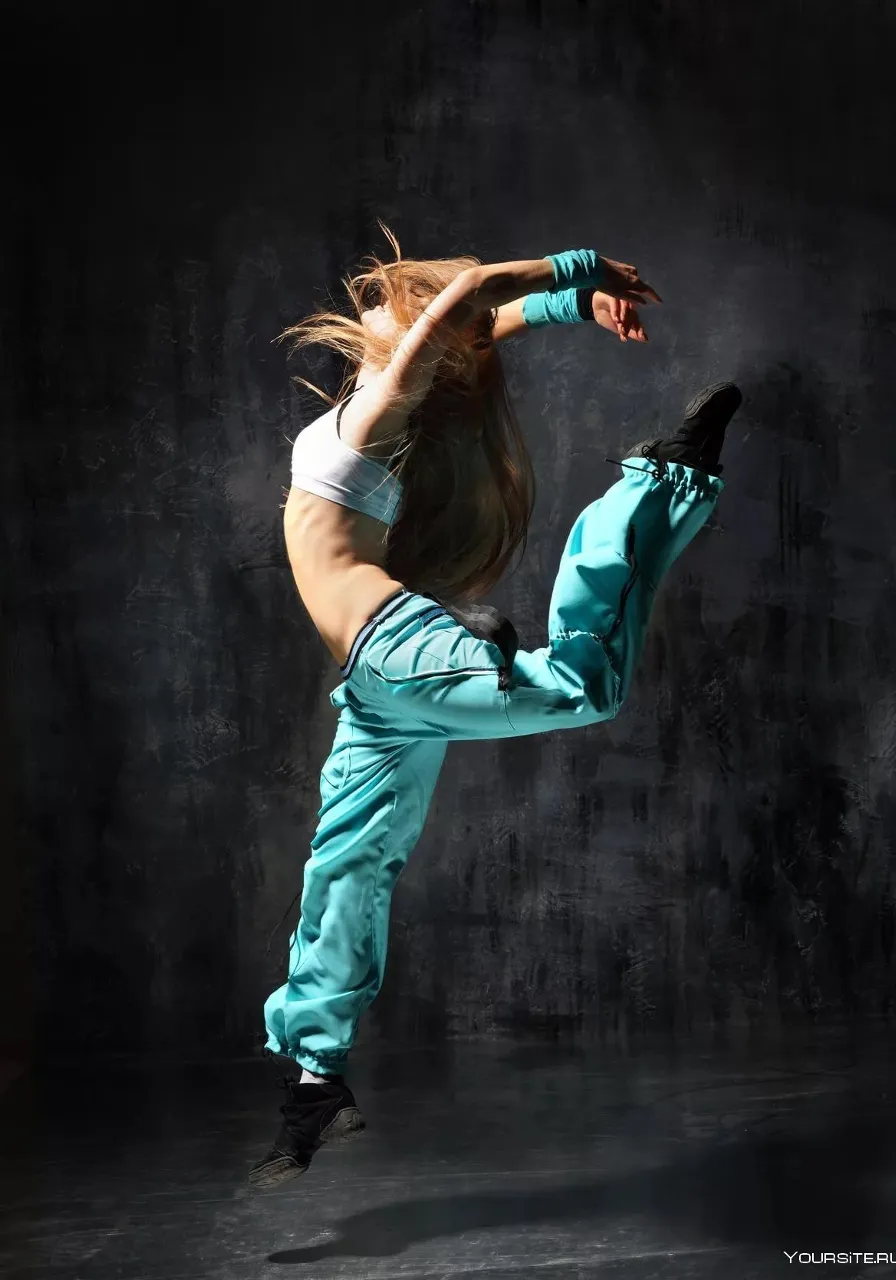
189, 183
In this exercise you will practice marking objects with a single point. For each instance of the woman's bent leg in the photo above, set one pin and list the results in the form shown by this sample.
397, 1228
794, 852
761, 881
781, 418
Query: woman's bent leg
615, 558
419, 671
375, 796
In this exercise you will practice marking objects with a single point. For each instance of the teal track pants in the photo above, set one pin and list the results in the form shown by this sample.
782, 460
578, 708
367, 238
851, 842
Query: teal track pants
416, 680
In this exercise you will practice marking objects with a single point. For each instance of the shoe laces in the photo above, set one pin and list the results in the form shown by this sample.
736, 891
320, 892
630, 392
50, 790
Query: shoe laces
288, 1106
286, 1082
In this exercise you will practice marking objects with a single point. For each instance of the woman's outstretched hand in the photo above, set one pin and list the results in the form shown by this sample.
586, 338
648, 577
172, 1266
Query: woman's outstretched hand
622, 281
619, 316
615, 306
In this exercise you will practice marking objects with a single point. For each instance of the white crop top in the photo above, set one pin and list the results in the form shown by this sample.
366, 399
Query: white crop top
323, 464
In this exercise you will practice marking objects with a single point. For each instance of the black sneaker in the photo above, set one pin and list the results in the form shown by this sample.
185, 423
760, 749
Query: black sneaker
698, 441
312, 1115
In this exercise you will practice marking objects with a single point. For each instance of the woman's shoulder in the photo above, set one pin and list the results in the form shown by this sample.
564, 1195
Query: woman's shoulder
325, 418
328, 416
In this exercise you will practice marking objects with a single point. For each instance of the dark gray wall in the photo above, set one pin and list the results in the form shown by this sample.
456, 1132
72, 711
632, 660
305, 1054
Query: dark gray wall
188, 183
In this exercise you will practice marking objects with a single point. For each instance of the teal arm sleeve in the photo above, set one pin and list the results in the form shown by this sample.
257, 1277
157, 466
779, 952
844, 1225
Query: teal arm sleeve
577, 272
577, 269
569, 306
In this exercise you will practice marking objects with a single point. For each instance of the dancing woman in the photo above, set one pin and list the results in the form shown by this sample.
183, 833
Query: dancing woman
409, 498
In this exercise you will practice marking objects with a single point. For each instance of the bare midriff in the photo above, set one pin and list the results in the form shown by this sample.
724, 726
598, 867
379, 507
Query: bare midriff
338, 562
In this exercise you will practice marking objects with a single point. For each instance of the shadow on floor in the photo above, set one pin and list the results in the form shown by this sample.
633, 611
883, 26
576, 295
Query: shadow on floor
816, 1193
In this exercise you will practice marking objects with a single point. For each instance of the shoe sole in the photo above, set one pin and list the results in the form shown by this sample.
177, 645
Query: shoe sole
276, 1173
348, 1125
345, 1127
703, 398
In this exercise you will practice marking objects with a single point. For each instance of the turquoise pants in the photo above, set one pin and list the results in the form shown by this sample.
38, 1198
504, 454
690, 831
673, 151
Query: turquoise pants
416, 680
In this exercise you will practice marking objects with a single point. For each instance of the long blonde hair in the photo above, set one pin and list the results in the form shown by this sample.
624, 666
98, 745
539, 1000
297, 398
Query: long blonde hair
467, 478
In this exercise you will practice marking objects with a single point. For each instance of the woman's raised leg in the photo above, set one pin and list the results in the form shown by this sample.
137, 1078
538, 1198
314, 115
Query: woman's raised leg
423, 675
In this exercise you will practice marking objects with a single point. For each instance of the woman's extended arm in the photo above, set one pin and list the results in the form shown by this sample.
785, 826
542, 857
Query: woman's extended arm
382, 405
552, 281
477, 290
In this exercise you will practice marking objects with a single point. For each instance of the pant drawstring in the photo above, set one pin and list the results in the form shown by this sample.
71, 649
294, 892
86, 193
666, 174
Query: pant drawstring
659, 473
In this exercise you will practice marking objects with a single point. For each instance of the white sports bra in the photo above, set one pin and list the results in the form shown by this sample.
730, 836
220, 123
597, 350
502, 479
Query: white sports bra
323, 464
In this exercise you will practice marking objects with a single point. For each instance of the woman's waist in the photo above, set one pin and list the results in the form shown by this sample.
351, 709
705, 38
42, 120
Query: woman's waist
341, 597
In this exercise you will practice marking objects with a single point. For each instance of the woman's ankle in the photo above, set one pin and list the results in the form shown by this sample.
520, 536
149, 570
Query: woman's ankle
309, 1077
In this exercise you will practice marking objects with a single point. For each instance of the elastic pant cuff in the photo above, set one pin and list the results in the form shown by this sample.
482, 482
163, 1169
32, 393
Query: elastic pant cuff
678, 474
316, 1066
334, 1066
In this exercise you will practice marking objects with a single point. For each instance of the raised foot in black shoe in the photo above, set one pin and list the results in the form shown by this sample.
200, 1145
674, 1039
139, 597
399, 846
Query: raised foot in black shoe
313, 1114
699, 438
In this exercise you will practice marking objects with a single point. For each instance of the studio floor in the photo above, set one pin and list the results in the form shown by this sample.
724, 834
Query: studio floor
489, 1160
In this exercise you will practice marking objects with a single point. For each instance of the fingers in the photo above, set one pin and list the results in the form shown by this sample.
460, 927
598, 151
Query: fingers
650, 294
639, 299
617, 311
645, 291
630, 324
628, 283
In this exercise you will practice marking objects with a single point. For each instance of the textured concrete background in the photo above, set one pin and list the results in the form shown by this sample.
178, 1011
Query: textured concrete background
186, 183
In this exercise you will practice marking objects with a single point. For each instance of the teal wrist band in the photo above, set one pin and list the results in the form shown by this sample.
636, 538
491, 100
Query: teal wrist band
570, 306
576, 269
